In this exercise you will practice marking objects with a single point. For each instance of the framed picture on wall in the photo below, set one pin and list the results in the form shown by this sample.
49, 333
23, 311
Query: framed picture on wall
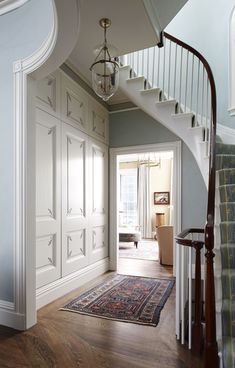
161, 198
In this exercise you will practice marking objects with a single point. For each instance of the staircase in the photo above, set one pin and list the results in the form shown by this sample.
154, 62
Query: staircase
175, 86
172, 85
225, 164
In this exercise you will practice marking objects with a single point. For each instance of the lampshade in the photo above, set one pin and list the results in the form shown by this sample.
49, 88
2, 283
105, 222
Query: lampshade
105, 70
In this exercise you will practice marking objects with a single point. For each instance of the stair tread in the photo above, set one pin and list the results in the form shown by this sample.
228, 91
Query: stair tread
150, 90
227, 185
225, 154
226, 170
183, 114
227, 222
135, 78
165, 102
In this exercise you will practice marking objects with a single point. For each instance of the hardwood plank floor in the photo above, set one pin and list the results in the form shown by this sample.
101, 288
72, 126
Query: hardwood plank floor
64, 339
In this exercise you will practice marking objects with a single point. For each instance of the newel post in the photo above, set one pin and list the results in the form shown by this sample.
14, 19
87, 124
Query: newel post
211, 348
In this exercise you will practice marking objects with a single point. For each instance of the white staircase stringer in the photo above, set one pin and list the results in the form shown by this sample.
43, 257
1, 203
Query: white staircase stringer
164, 112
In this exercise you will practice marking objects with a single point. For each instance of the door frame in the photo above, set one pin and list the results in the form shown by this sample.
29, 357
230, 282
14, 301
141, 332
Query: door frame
114, 185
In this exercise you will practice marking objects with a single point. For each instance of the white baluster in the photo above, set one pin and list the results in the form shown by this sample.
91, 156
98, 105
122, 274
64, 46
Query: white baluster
190, 299
164, 67
182, 294
180, 85
178, 291
142, 62
176, 55
169, 70
147, 81
158, 67
186, 83
192, 84
153, 66
202, 109
138, 63
197, 101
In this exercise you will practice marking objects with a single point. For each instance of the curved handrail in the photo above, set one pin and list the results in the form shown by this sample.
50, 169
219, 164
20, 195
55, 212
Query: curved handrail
180, 239
211, 349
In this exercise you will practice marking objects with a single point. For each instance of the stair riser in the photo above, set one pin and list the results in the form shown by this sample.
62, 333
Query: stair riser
227, 231
227, 177
228, 329
227, 211
225, 148
227, 193
225, 162
227, 256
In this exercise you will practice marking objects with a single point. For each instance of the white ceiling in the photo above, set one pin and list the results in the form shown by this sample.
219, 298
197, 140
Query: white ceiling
131, 30
136, 25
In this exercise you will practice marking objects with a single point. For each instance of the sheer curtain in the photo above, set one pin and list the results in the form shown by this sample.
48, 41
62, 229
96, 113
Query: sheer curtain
144, 209
171, 208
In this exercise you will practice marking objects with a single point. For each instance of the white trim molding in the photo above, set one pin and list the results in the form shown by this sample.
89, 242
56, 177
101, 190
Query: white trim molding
226, 134
7, 305
24, 314
24, 237
158, 147
7, 6
58, 288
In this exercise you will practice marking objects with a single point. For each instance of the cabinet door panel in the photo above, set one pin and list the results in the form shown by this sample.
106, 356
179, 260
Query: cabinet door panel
74, 204
98, 121
48, 93
74, 104
99, 201
48, 219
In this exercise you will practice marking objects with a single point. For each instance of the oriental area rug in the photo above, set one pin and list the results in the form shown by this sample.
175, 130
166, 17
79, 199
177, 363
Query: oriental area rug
125, 298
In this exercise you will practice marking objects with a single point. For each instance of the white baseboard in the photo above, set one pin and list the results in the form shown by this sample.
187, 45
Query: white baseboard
10, 318
226, 134
58, 288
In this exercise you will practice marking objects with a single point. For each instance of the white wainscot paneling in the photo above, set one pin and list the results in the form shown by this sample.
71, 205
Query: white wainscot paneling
46, 92
74, 104
98, 180
98, 237
75, 176
74, 200
46, 260
45, 164
98, 121
76, 245
48, 193
99, 201
99, 242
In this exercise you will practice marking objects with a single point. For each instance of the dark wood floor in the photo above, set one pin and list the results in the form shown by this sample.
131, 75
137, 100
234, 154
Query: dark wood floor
64, 339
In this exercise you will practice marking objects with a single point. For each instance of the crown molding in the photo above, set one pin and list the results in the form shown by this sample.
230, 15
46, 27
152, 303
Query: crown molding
7, 6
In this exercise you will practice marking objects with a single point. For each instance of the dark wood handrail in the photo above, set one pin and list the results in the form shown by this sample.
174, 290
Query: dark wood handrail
211, 348
180, 239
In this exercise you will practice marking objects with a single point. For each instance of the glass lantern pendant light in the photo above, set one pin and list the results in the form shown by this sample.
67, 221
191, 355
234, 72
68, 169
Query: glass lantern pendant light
105, 70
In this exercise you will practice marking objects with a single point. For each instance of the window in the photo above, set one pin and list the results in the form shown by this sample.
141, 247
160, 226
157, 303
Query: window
128, 197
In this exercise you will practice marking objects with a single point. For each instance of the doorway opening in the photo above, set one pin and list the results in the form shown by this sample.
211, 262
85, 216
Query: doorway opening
145, 196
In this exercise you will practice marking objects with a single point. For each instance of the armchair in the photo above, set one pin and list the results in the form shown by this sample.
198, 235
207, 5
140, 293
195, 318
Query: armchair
165, 243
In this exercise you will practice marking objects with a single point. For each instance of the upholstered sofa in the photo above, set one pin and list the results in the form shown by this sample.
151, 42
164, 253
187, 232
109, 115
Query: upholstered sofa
127, 234
165, 243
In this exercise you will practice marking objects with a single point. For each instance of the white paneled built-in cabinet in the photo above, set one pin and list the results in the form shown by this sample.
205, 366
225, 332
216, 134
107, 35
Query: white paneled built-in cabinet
48, 194
71, 181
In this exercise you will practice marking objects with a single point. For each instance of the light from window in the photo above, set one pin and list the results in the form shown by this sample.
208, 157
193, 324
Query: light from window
128, 197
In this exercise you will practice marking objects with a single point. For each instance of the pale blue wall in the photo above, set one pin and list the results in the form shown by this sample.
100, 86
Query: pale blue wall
21, 33
133, 128
204, 24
